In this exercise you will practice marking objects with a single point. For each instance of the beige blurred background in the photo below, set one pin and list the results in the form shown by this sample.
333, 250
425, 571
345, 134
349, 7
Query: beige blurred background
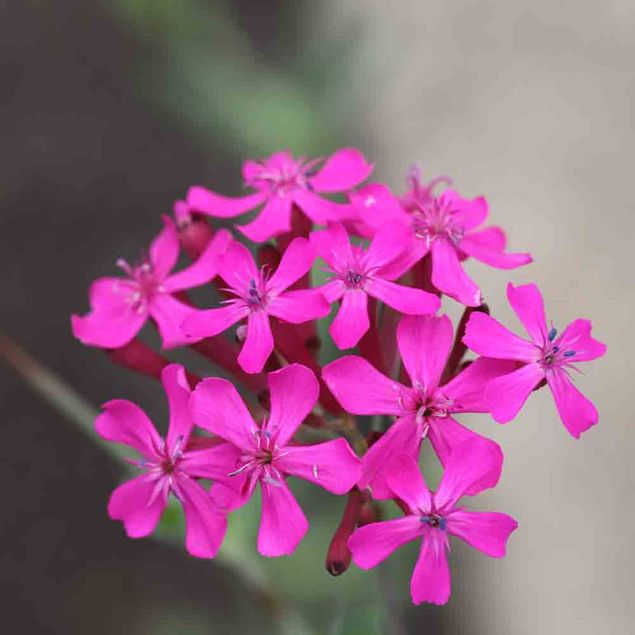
531, 103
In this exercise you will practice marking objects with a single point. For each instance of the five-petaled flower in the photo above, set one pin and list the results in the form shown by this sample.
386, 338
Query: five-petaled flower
473, 467
423, 409
167, 466
545, 357
358, 273
281, 182
121, 306
259, 296
267, 454
445, 227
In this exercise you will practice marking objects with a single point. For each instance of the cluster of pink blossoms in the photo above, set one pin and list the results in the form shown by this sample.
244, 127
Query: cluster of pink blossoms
388, 261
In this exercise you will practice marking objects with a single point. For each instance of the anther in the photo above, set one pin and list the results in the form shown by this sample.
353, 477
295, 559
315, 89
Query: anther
552, 334
568, 354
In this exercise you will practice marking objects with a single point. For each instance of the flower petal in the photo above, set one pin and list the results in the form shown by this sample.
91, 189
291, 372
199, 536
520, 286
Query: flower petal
206, 266
299, 306
130, 503
527, 302
332, 465
424, 343
114, 320
320, 210
487, 337
446, 434
486, 531
200, 324
164, 249
213, 463
237, 267
387, 245
470, 463
295, 262
258, 344
403, 299
342, 171
169, 315
506, 395
273, 220
124, 422
467, 389
373, 543
293, 391
479, 246
351, 321
216, 406
283, 524
205, 524
403, 437
376, 205
448, 275
430, 580
204, 201
467, 213
577, 413
360, 388
178, 392
577, 337
333, 246
407, 482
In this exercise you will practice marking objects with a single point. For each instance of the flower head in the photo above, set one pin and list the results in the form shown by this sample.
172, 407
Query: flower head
545, 356
358, 273
259, 295
266, 454
121, 306
280, 181
433, 518
423, 409
167, 466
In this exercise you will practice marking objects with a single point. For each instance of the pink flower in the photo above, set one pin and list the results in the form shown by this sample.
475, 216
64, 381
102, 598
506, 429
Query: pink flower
434, 517
445, 228
267, 455
544, 357
121, 306
424, 409
167, 466
359, 273
281, 182
259, 296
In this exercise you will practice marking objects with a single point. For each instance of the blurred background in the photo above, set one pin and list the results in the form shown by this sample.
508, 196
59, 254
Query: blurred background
111, 110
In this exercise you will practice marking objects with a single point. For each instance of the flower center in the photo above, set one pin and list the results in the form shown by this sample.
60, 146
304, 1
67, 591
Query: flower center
434, 219
434, 520
552, 356
430, 405
143, 284
354, 279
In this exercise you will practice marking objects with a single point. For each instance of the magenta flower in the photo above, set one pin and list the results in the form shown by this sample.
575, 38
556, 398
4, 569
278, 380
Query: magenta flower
280, 182
167, 466
544, 357
423, 409
445, 228
434, 517
267, 454
121, 306
259, 296
359, 273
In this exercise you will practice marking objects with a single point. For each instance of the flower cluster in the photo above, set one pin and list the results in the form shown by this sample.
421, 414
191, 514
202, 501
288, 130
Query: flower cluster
381, 264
